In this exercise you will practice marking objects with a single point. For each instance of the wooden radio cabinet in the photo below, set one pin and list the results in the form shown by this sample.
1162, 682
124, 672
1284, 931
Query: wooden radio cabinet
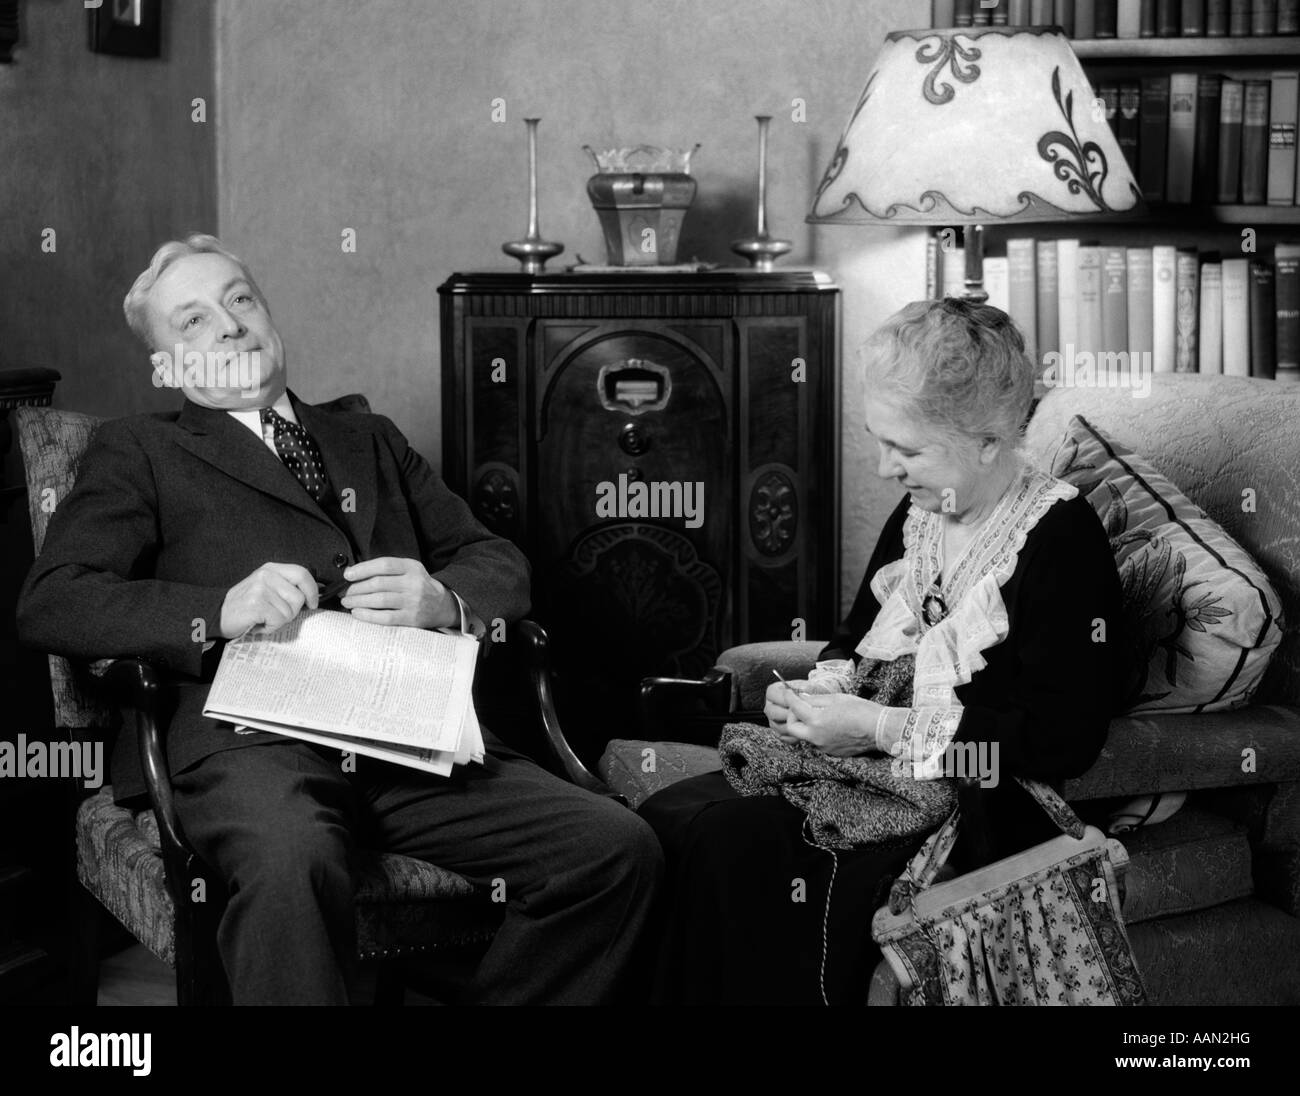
664, 447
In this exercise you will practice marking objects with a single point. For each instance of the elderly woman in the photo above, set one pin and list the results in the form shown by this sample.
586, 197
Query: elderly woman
983, 638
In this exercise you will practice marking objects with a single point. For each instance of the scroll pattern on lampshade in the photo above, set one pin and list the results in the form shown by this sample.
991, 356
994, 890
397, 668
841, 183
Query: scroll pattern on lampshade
975, 125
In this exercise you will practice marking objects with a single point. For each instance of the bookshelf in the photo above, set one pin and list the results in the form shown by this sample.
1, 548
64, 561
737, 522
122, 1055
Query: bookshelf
1110, 51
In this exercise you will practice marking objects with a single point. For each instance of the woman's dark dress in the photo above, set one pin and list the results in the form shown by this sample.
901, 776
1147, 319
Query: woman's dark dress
736, 931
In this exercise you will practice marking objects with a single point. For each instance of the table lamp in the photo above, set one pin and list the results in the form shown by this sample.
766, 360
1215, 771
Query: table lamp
975, 126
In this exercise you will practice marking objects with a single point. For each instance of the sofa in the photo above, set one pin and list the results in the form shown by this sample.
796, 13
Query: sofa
1212, 895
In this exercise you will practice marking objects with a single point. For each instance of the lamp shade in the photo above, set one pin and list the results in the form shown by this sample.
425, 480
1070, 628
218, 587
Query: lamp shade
975, 126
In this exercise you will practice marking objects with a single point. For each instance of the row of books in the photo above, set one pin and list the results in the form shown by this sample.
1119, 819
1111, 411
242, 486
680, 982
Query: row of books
1164, 309
1128, 18
1207, 138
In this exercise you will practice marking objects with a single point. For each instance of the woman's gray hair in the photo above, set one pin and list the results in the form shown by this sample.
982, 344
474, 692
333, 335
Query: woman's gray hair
957, 365
136, 302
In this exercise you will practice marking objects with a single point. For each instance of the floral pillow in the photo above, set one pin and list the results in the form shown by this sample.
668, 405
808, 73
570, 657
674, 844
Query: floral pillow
1202, 620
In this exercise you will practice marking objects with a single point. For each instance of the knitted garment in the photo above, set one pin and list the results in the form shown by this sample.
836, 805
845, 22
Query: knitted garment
849, 801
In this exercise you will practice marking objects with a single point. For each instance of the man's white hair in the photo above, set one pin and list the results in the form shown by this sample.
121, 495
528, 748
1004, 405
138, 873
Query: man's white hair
136, 302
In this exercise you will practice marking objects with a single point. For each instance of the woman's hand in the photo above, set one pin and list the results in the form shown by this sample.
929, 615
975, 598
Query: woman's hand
841, 725
779, 696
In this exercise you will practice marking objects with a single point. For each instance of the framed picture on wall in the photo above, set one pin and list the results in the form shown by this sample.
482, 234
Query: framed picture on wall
128, 28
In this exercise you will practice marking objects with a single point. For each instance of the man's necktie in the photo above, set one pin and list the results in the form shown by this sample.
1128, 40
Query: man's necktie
298, 451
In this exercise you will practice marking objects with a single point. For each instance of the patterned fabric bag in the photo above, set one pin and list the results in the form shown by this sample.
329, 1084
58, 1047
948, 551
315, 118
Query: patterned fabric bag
1042, 927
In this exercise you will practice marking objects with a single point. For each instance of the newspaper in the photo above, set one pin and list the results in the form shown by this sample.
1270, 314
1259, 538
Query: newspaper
399, 694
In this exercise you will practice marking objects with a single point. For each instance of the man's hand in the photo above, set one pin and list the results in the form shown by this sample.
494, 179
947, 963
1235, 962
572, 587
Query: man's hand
399, 591
839, 724
270, 597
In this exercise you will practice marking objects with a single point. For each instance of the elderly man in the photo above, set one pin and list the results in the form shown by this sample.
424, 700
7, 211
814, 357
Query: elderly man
192, 527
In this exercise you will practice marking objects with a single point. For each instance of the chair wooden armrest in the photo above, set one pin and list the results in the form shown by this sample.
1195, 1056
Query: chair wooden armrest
536, 652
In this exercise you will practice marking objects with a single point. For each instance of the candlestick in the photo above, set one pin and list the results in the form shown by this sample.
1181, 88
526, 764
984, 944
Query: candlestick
532, 251
761, 249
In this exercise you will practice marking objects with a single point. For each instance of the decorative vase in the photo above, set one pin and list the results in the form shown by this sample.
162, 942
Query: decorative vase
761, 249
641, 195
532, 251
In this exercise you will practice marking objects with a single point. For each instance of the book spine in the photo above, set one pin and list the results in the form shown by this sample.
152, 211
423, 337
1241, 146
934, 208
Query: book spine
997, 282
1182, 136
1288, 16
953, 262
1048, 290
1231, 113
1186, 310
980, 15
1236, 317
1153, 137
1105, 18
1085, 18
1023, 298
1216, 18
1193, 19
1147, 19
1127, 124
1286, 287
1254, 142
1239, 18
963, 13
1164, 306
932, 282
1067, 296
1040, 13
1210, 357
1128, 19
941, 13
1263, 327
1089, 300
1168, 14
1114, 300
1281, 138
1263, 18
1205, 162
1063, 16
1141, 306
1000, 14
1018, 14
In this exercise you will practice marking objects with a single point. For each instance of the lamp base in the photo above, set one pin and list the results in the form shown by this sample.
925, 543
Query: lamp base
761, 251
532, 253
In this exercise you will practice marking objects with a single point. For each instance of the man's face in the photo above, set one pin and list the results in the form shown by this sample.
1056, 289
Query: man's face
203, 307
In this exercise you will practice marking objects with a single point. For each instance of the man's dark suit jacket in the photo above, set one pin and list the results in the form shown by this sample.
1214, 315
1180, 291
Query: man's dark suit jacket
170, 511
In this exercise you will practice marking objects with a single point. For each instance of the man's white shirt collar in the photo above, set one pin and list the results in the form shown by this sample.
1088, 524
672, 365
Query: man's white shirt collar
253, 418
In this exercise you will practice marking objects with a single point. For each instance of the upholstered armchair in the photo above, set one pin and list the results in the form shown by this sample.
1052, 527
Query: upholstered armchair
1213, 892
138, 865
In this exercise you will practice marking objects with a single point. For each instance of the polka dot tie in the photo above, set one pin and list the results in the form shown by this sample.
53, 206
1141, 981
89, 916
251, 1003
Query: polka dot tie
298, 451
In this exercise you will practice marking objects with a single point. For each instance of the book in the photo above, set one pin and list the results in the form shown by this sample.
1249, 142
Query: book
1210, 329
1105, 18
399, 694
1128, 19
1126, 124
1040, 13
941, 13
1288, 16
1263, 18
999, 14
1239, 18
1114, 300
1263, 321
997, 282
963, 13
1141, 308
1085, 19
1147, 19
1205, 161
1231, 112
1286, 288
1236, 317
953, 271
1164, 301
1067, 296
980, 15
1023, 293
1281, 138
1192, 23
1186, 310
1168, 16
1088, 299
1182, 137
1049, 331
1018, 13
1216, 18
1254, 142
1063, 16
933, 282
1153, 137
